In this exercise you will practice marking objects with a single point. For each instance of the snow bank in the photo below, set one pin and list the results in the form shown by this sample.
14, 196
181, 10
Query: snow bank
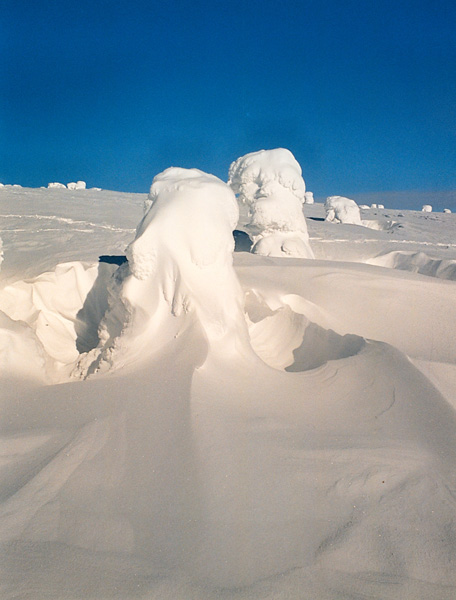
179, 271
446, 210
342, 210
426, 208
56, 185
270, 184
79, 185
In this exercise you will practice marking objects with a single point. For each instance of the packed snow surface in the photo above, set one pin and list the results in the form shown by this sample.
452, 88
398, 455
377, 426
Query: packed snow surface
195, 424
270, 184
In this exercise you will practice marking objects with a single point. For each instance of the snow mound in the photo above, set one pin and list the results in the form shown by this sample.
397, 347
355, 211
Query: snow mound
56, 185
426, 208
79, 185
446, 210
342, 210
270, 184
179, 272
309, 198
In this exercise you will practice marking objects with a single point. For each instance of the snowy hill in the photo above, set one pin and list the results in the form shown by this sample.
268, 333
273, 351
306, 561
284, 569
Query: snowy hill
193, 423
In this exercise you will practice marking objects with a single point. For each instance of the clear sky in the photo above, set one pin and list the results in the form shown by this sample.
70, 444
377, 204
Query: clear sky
112, 91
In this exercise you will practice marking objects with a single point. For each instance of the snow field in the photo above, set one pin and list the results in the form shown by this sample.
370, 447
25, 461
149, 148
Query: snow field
188, 425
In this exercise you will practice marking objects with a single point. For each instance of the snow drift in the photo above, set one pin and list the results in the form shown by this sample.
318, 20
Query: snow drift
250, 428
270, 184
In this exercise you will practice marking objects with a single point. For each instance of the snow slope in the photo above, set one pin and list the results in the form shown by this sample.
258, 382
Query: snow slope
266, 427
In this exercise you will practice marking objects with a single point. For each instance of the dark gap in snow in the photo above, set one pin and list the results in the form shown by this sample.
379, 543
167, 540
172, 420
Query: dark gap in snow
242, 241
112, 260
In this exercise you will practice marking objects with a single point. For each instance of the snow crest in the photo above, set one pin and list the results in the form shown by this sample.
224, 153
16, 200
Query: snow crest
270, 184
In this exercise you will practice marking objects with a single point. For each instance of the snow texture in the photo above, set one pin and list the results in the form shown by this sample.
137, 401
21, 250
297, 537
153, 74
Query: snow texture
56, 185
270, 184
426, 208
342, 210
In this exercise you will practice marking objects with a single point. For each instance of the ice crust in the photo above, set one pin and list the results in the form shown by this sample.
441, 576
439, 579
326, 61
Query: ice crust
342, 210
270, 184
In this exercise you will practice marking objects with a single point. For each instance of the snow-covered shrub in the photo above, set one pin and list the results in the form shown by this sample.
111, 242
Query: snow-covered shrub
380, 206
2, 185
374, 206
426, 208
446, 210
309, 198
364, 206
56, 185
270, 184
79, 185
342, 210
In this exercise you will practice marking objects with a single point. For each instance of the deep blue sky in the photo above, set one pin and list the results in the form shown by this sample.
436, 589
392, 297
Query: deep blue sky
112, 91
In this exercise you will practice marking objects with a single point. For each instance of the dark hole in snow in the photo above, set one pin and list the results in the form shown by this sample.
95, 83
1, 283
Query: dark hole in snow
112, 260
242, 242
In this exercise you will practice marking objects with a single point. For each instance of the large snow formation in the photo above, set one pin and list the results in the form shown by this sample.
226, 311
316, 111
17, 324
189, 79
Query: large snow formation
270, 184
426, 208
342, 210
179, 264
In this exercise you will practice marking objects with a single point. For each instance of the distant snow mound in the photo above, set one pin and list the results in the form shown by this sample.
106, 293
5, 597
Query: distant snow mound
446, 210
309, 198
426, 208
56, 185
342, 210
270, 184
179, 272
79, 185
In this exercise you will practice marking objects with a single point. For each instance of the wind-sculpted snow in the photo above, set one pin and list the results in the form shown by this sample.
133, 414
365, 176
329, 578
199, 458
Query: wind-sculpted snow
179, 264
270, 184
252, 427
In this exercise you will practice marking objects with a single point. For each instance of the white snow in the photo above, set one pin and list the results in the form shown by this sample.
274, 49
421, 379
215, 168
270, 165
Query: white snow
309, 198
79, 185
56, 185
270, 184
446, 210
197, 425
342, 210
426, 208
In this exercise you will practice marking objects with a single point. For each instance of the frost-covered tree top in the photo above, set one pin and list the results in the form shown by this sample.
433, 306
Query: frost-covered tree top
270, 184
258, 173
342, 210
427, 208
